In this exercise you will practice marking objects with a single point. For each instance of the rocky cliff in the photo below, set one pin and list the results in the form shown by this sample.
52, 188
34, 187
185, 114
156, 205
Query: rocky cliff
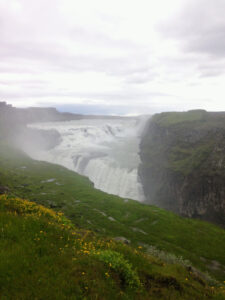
183, 164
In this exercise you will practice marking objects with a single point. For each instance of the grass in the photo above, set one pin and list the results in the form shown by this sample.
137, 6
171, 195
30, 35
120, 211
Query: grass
187, 159
174, 118
148, 226
44, 256
196, 119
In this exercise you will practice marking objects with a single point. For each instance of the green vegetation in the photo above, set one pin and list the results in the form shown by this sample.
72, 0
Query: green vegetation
192, 139
44, 256
147, 226
187, 159
172, 118
117, 262
197, 119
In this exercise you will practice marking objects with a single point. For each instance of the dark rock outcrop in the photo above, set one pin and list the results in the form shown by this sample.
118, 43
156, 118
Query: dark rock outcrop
183, 164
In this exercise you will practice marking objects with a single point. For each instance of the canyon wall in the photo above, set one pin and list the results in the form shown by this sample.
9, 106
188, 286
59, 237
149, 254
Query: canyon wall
183, 164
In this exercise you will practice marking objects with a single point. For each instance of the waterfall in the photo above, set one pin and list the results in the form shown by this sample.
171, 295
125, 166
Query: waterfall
105, 150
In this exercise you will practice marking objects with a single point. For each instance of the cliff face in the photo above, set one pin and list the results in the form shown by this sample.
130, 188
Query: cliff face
183, 164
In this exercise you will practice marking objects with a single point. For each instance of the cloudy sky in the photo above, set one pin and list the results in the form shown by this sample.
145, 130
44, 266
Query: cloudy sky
113, 56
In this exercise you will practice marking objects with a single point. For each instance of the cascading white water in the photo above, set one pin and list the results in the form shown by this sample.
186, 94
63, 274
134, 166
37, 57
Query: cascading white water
105, 150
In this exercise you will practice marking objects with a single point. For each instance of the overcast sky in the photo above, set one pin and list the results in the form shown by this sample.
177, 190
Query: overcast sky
113, 56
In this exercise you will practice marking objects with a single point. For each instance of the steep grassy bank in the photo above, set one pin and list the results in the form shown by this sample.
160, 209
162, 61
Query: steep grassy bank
43, 256
183, 164
146, 226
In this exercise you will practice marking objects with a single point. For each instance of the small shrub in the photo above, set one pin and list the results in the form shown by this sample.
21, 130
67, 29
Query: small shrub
118, 263
168, 257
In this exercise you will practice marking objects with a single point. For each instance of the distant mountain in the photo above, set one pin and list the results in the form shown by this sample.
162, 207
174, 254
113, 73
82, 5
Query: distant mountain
33, 114
183, 163
8, 113
13, 125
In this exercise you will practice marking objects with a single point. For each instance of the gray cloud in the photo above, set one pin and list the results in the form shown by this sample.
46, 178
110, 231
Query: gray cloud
212, 69
50, 54
41, 90
39, 34
200, 27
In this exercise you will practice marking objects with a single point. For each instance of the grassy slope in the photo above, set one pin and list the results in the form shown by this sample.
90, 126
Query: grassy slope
197, 241
43, 256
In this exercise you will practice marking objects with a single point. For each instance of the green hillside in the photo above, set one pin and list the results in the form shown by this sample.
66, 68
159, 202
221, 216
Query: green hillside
43, 256
159, 232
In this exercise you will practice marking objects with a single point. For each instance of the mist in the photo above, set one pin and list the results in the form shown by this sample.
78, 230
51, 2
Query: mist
104, 150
